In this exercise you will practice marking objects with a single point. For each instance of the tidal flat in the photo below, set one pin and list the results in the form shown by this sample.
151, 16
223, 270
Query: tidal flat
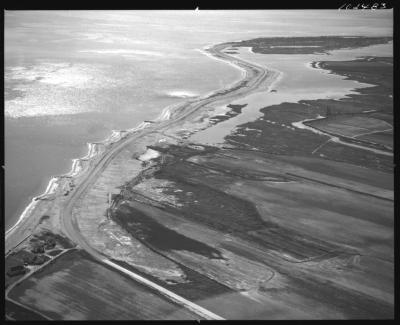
279, 221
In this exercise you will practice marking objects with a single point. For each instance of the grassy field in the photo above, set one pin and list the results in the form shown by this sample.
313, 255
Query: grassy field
306, 221
11, 261
307, 45
385, 138
369, 111
350, 126
289, 224
19, 313
78, 288
277, 224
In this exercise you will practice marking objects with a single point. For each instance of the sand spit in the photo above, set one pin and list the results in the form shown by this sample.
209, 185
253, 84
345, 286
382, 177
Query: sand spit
97, 149
94, 149
243, 203
206, 52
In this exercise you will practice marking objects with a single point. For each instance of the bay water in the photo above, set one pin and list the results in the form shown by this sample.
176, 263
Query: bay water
71, 77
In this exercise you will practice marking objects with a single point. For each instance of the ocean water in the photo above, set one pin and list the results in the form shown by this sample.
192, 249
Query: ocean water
71, 77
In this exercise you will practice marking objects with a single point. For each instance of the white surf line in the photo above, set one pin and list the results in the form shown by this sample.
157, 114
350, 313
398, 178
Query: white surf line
204, 51
76, 164
176, 298
165, 115
31, 206
277, 75
236, 66
91, 151
51, 188
301, 125
238, 63
75, 169
141, 126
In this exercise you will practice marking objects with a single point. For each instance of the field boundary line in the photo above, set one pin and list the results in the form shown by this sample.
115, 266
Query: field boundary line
176, 298
34, 271
26, 276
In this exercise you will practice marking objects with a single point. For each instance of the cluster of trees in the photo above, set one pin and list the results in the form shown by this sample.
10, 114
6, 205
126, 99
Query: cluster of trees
33, 257
41, 246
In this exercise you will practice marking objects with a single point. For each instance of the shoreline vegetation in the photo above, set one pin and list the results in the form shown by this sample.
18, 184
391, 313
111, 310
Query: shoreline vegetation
254, 45
308, 45
238, 211
97, 148
352, 129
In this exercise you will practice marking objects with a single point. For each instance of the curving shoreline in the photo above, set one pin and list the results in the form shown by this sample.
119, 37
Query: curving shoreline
98, 148
76, 168
82, 207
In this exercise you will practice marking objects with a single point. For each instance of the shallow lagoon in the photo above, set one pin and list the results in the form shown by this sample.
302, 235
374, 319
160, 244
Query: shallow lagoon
298, 81
72, 77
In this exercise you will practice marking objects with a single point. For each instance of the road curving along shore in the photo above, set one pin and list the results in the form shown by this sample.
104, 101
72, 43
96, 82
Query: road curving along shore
254, 79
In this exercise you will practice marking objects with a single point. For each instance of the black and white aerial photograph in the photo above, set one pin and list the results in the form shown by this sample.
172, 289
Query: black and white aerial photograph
199, 164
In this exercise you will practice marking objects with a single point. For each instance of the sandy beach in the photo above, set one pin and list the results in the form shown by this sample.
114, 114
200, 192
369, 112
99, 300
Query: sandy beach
288, 217
255, 78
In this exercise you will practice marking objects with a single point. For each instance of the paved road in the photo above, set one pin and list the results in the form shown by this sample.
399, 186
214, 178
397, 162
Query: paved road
256, 75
